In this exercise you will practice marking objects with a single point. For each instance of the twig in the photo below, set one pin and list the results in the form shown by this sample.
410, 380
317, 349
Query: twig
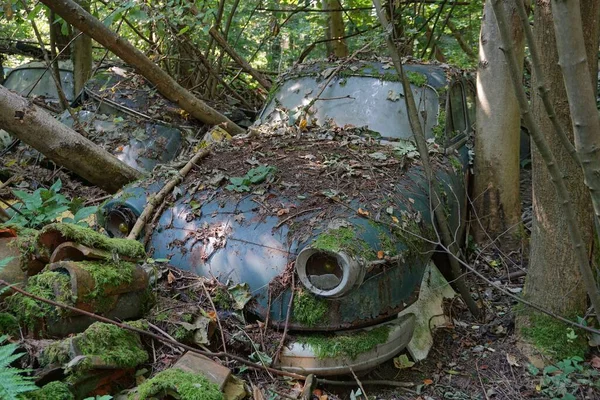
402, 385
216, 315
283, 221
480, 381
160, 196
220, 354
362, 389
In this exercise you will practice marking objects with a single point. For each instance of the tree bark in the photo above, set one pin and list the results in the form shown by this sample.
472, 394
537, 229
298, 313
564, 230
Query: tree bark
554, 280
21, 118
81, 55
496, 186
577, 77
336, 27
167, 86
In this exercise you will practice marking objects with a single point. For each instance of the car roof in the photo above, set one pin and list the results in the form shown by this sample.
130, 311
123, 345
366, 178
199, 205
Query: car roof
62, 65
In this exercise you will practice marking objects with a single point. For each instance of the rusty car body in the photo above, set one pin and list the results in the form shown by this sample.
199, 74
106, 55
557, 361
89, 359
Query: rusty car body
331, 226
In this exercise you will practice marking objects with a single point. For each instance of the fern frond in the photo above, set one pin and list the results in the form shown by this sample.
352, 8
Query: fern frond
12, 383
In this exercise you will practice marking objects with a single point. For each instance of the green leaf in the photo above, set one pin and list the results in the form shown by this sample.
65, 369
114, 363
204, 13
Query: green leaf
85, 212
56, 186
183, 30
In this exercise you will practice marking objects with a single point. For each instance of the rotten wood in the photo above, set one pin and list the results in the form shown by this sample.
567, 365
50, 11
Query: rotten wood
21, 118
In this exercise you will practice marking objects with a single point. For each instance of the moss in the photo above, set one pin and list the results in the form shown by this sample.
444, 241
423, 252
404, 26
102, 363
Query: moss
114, 345
56, 390
50, 285
187, 385
346, 345
56, 353
551, 337
91, 238
309, 309
439, 129
416, 78
344, 239
222, 299
456, 164
9, 324
107, 274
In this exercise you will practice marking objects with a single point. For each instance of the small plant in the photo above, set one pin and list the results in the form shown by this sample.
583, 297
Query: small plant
564, 379
254, 176
416, 78
12, 382
43, 206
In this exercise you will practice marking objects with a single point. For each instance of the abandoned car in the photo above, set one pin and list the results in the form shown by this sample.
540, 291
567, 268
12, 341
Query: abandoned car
34, 80
323, 210
121, 112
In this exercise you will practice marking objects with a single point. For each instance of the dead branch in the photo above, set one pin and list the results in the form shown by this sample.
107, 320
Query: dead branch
162, 339
264, 82
73, 13
164, 192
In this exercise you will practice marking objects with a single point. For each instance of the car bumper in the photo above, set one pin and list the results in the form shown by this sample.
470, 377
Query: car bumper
302, 359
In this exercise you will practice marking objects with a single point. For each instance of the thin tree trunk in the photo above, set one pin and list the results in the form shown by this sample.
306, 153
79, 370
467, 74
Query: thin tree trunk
554, 280
21, 118
496, 186
167, 86
419, 135
336, 28
81, 55
581, 91
559, 284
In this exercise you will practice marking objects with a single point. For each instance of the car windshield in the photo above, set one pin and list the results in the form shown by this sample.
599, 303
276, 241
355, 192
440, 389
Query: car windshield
372, 102
23, 80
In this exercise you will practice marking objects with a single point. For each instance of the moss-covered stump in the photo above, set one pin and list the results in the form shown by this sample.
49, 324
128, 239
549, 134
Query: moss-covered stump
52, 391
115, 347
186, 385
54, 234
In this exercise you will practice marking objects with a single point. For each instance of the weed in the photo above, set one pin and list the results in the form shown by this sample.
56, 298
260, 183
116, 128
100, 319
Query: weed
43, 206
253, 176
565, 378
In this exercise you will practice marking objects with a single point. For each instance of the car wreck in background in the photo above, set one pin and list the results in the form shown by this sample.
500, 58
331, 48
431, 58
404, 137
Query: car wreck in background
121, 112
323, 211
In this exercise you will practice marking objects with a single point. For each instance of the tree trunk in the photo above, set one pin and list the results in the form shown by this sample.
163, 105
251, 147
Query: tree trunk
328, 43
554, 281
336, 27
21, 118
496, 189
167, 86
81, 55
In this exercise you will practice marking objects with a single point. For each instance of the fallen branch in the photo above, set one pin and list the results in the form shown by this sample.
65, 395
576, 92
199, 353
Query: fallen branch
163, 339
164, 192
264, 82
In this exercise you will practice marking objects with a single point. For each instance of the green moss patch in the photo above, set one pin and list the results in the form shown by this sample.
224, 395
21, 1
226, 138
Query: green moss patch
554, 338
9, 325
107, 274
344, 239
49, 285
114, 345
91, 238
187, 385
416, 78
308, 309
346, 345
56, 390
